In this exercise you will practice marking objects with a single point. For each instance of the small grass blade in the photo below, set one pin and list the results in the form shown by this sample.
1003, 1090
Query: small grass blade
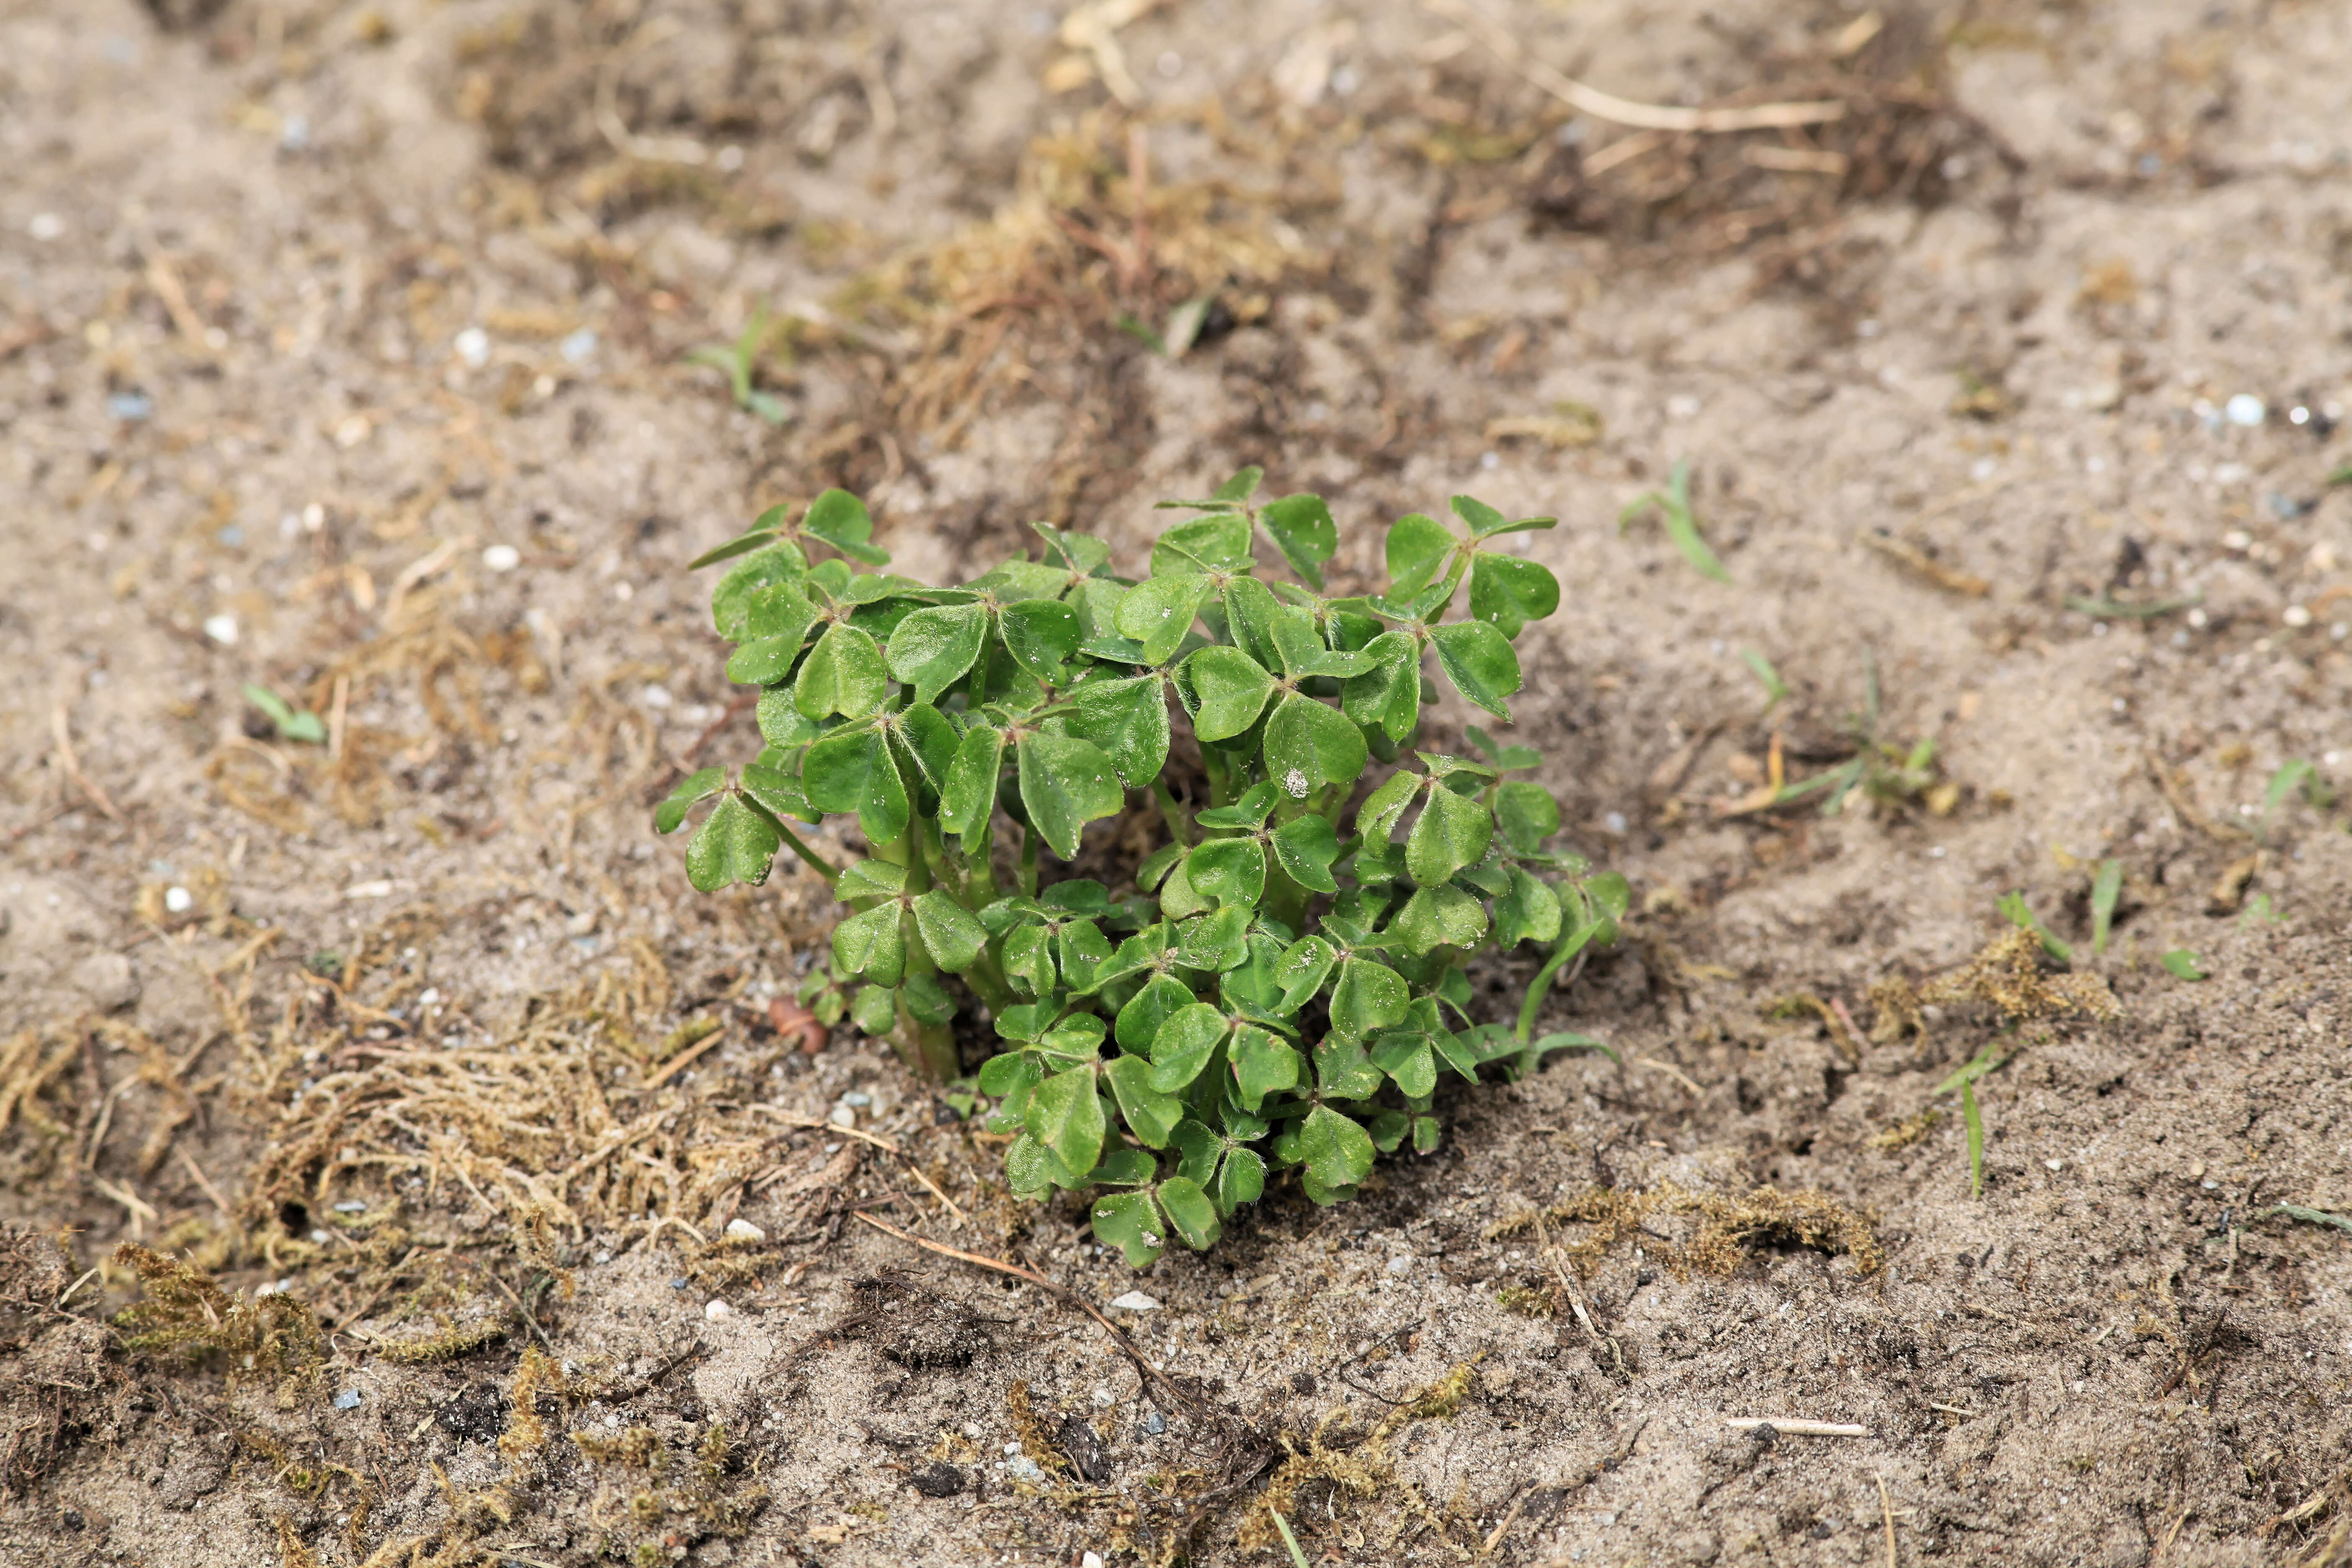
1983, 1062
2106, 889
1775, 689
1975, 1121
1682, 527
1296, 1556
292, 725
2014, 906
2314, 1216
2295, 774
2113, 609
2181, 963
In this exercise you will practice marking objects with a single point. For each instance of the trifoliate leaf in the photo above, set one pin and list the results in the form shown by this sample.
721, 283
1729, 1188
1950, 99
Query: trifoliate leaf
1337, 1151
844, 674
1308, 745
842, 521
1218, 542
697, 787
871, 945
1370, 996
1128, 1221
1479, 661
1529, 911
1067, 782
930, 650
1040, 634
1190, 1211
1417, 548
731, 602
1438, 917
734, 844
854, 771
776, 624
1506, 592
1129, 720
1231, 689
1160, 612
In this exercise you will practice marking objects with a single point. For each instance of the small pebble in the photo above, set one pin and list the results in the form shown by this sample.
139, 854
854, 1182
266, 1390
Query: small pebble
351, 1206
222, 629
45, 227
1024, 1468
857, 1097
2053, 1164
2244, 409
1135, 1302
1401, 1265
132, 407
843, 1116
178, 900
714, 1309
679, 1283
1104, 1398
579, 347
349, 1399
744, 1230
1091, 1560
1155, 1423
602, 1256
501, 558
2296, 616
473, 346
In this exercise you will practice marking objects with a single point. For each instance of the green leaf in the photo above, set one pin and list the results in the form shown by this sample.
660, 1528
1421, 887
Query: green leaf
1250, 612
1485, 521
930, 650
1014, 1072
1230, 870
1438, 917
1529, 911
874, 1009
1508, 759
1426, 1134
1027, 959
2181, 965
1263, 1065
1453, 831
2014, 906
1478, 661
1160, 612
870, 944
1151, 1113
742, 545
968, 797
1162, 997
1123, 1168
1301, 970
292, 725
1407, 1059
1387, 696
1682, 526
844, 674
1183, 1044
1231, 689
1306, 847
842, 521
1067, 782
855, 772
1309, 744
1216, 941
952, 937
1064, 1114
869, 879
1973, 1120
1129, 720
1218, 542
1191, 1214
1040, 634
1382, 810
1370, 997
1302, 528
1178, 901
1241, 1180
1032, 1170
697, 787
1573, 1042
1250, 812
733, 600
1130, 1222
1338, 1151
2105, 887
734, 844
1506, 592
1081, 946
1198, 1150
926, 1000
1526, 814
1417, 549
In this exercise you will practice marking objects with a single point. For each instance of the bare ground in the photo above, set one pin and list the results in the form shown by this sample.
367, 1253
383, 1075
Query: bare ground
1947, 370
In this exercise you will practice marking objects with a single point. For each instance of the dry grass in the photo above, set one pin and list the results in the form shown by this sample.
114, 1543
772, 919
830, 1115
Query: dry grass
1726, 1233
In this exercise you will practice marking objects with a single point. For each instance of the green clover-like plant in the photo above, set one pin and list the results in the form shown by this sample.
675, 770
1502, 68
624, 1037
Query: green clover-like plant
1283, 984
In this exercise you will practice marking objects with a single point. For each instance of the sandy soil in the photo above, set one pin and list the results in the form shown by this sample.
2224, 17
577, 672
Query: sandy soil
1990, 368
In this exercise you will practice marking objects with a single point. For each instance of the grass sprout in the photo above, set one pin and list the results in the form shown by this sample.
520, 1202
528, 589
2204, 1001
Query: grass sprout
293, 723
2106, 889
2295, 776
2181, 965
1682, 527
737, 360
1775, 689
2014, 908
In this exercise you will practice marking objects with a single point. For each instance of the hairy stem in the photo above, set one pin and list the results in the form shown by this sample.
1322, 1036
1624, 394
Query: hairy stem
1029, 861
1569, 946
1180, 823
814, 861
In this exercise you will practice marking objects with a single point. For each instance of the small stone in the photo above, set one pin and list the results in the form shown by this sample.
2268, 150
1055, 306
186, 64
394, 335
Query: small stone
1024, 1468
936, 1480
351, 1206
1091, 1560
44, 227
131, 407
744, 1230
2053, 1164
349, 1399
222, 629
714, 1310
578, 348
2297, 616
680, 1283
473, 346
106, 978
1401, 1265
843, 1116
1135, 1302
178, 900
857, 1097
1104, 1398
501, 558
1155, 1423
2244, 409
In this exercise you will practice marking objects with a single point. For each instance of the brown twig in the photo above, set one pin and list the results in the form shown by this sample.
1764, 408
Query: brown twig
1144, 1369
1886, 1507
661, 1075
1617, 110
63, 735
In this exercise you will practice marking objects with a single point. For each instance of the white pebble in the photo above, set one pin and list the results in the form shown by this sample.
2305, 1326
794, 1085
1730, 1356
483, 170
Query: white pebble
1401, 1265
501, 558
714, 1309
473, 346
1135, 1302
844, 1116
2296, 616
222, 629
1091, 1560
2244, 409
744, 1230
178, 900
45, 227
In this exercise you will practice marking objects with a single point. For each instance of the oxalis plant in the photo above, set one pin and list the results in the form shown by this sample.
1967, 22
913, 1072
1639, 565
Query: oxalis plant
1286, 980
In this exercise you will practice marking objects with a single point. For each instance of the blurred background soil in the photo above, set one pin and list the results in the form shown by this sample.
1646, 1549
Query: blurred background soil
491, 1218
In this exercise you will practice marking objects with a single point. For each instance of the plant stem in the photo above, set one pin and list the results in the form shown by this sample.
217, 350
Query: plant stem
1179, 824
1029, 861
814, 861
929, 1049
1569, 946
